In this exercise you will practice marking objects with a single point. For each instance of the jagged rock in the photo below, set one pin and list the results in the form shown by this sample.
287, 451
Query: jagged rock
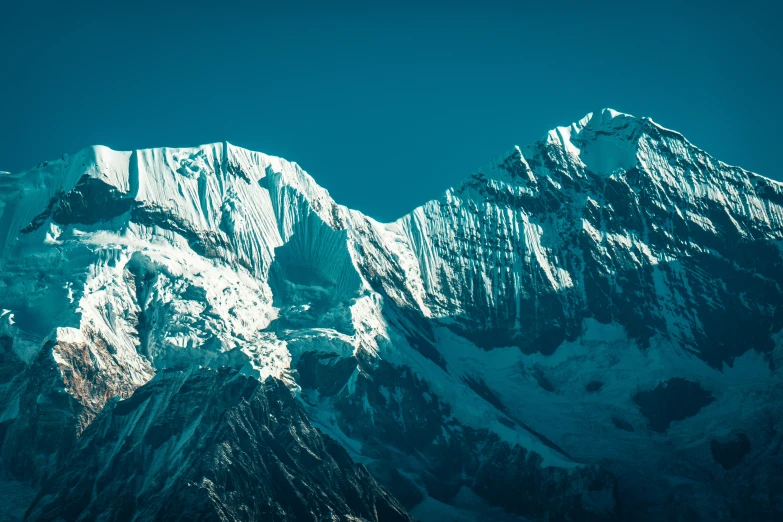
455, 351
211, 445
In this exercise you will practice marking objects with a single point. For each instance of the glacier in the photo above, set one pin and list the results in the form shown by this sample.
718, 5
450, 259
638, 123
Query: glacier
588, 328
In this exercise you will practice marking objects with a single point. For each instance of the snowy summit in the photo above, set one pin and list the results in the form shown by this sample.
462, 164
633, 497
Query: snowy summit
588, 329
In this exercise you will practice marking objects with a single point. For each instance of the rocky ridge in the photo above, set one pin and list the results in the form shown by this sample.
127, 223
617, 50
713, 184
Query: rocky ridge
507, 350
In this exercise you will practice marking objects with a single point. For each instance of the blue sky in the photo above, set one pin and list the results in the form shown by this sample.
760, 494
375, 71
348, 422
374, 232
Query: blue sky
385, 104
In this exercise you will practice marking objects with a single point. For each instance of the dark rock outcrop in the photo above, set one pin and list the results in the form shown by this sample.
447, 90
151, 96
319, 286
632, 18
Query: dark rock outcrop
211, 445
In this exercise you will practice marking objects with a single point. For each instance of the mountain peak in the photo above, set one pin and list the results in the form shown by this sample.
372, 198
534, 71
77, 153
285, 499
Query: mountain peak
459, 351
603, 141
607, 114
600, 117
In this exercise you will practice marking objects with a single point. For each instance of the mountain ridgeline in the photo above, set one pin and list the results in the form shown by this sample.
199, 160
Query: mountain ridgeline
590, 328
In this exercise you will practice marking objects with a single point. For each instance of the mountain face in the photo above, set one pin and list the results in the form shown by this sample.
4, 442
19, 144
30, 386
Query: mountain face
590, 328
206, 445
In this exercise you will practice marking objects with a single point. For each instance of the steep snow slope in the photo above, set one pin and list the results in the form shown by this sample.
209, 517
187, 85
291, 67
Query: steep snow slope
609, 296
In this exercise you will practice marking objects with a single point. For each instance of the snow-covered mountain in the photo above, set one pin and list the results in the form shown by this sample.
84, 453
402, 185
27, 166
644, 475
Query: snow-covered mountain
588, 329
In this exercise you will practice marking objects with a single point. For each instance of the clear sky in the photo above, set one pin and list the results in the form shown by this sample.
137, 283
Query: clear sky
386, 104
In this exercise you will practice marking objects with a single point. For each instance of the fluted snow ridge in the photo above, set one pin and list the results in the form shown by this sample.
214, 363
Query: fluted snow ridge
115, 265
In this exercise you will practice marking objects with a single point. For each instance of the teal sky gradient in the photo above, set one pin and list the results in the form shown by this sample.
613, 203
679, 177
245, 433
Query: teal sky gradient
386, 104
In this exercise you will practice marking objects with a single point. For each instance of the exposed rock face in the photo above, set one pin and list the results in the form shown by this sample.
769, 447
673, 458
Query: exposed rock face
577, 332
673, 400
211, 445
729, 454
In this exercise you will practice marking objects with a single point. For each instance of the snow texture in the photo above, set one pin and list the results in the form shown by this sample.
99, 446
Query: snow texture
526, 307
